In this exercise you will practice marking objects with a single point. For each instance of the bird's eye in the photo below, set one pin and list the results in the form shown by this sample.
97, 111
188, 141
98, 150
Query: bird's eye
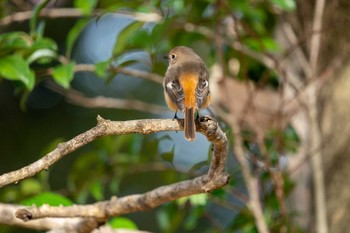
173, 56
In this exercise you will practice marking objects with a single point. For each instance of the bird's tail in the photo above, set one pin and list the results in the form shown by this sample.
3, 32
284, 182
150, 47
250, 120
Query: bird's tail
189, 125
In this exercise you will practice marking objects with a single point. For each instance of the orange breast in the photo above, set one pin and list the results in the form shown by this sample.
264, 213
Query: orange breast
189, 82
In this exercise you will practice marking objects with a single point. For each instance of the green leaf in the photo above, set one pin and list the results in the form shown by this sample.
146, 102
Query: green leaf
86, 6
263, 44
123, 39
49, 198
287, 5
178, 7
43, 50
44, 43
74, 33
96, 190
15, 68
30, 187
121, 222
33, 23
14, 41
196, 200
63, 74
141, 38
102, 68
43, 56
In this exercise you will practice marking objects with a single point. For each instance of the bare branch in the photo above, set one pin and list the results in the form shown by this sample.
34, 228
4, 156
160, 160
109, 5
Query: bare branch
57, 225
262, 58
139, 74
315, 42
103, 128
78, 98
127, 71
293, 40
250, 180
315, 132
215, 178
48, 13
78, 225
75, 13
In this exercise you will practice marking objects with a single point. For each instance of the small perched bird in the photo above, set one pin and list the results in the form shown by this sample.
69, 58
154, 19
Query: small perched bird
186, 86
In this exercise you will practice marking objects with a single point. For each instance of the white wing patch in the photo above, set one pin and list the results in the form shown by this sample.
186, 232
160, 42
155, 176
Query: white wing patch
169, 85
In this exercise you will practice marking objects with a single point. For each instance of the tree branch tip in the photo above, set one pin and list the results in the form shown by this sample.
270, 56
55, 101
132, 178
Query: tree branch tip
24, 214
100, 119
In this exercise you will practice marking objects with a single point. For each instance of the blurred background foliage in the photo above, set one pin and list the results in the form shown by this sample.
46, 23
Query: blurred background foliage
40, 55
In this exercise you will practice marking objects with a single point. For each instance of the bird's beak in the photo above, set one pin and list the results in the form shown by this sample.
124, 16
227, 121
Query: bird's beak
166, 57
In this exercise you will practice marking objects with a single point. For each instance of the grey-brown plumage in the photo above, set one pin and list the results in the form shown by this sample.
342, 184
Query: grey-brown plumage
186, 86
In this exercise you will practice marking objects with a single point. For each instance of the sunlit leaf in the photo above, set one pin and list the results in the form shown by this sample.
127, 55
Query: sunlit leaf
63, 74
74, 33
43, 51
50, 198
196, 200
178, 6
86, 6
42, 56
121, 222
115, 5
264, 44
287, 5
15, 68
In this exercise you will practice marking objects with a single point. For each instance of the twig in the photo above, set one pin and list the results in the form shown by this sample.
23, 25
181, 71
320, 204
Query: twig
315, 41
293, 40
127, 71
78, 98
249, 179
56, 225
215, 178
78, 225
48, 13
137, 73
75, 13
315, 133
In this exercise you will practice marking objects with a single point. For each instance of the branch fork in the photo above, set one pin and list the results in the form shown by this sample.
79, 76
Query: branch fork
102, 211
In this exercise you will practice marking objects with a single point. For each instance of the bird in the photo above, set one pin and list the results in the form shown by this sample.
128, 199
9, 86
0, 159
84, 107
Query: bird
186, 86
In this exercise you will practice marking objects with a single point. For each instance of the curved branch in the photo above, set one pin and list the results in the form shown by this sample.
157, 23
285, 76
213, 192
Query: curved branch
215, 178
103, 128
